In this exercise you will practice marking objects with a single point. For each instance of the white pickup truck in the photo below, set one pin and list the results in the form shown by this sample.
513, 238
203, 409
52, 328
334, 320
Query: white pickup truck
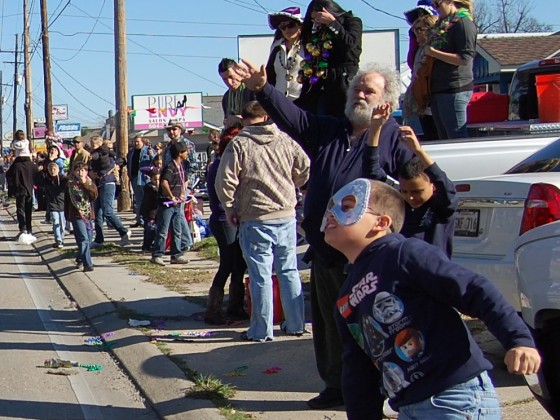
484, 156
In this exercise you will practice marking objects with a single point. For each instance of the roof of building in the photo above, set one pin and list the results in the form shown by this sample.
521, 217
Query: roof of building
517, 49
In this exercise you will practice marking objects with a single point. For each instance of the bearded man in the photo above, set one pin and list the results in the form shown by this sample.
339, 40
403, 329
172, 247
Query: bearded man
336, 147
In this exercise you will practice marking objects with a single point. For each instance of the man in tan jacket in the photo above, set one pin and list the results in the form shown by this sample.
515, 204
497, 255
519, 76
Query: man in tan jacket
257, 178
79, 154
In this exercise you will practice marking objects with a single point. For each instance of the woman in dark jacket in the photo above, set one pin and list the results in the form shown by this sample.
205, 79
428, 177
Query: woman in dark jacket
231, 257
332, 38
21, 179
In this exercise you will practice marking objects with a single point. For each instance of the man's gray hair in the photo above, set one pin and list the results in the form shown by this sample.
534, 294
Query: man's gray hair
392, 82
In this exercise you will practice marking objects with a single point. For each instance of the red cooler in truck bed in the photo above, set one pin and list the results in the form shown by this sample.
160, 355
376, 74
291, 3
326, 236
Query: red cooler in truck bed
487, 107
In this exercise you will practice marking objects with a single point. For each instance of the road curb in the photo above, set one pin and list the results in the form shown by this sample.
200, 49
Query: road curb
164, 390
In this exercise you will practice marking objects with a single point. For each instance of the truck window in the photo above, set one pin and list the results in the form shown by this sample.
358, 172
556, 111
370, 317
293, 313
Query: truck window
523, 103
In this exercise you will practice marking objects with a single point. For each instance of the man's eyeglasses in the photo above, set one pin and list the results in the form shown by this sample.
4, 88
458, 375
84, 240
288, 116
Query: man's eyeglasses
420, 29
285, 25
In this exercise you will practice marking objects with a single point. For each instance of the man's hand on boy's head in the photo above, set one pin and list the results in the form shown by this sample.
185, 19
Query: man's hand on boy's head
522, 360
253, 77
379, 116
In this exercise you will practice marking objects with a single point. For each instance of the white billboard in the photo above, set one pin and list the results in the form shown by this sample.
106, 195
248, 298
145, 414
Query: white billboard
60, 112
154, 111
380, 46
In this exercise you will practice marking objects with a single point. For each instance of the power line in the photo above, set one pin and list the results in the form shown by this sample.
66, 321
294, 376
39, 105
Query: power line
81, 84
89, 36
211, 57
383, 11
147, 35
76, 99
158, 55
57, 16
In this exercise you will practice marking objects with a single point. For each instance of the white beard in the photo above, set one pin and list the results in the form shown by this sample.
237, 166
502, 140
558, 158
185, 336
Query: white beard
359, 112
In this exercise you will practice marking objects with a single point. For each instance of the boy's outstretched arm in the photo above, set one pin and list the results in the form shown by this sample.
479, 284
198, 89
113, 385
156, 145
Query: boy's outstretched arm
474, 295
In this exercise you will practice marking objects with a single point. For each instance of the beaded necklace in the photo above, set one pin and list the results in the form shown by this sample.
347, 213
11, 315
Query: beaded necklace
438, 35
317, 52
288, 62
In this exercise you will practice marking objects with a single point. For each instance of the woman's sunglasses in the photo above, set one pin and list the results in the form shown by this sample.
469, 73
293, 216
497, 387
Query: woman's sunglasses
285, 25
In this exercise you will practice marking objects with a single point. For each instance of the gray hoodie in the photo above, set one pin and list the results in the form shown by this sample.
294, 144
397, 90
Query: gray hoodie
259, 172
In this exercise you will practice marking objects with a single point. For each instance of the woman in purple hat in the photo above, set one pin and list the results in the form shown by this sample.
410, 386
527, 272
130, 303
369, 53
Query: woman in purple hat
332, 38
286, 51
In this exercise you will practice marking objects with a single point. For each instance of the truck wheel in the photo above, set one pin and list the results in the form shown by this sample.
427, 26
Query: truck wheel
547, 340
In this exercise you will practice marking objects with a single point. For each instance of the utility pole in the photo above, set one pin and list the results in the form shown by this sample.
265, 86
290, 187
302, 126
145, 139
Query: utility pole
28, 105
15, 88
123, 202
46, 66
1, 117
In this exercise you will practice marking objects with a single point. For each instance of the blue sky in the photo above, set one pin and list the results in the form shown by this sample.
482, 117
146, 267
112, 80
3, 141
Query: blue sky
173, 46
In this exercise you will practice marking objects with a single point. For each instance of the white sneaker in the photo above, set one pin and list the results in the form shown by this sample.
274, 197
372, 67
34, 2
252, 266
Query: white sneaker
125, 239
158, 261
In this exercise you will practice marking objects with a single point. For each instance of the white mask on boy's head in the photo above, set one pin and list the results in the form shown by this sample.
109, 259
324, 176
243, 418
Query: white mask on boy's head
349, 204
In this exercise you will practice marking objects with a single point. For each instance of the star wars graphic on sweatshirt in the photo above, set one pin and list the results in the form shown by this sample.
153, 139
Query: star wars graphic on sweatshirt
385, 333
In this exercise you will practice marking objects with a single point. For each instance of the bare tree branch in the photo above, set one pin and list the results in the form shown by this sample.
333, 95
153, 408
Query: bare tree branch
507, 16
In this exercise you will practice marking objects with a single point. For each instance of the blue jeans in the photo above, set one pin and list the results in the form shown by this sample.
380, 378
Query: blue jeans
168, 216
104, 210
58, 223
83, 233
138, 191
450, 114
186, 236
265, 244
473, 399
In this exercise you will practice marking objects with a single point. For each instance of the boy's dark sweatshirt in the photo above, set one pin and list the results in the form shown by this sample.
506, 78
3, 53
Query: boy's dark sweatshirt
55, 189
102, 164
433, 221
150, 202
334, 162
399, 284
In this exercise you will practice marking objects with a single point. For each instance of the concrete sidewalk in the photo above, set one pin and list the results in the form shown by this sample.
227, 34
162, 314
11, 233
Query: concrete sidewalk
273, 380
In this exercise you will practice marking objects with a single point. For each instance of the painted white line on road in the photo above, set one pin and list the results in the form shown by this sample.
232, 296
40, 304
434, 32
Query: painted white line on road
85, 397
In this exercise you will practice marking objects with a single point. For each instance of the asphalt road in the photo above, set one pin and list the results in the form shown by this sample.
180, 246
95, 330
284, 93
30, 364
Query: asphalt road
39, 322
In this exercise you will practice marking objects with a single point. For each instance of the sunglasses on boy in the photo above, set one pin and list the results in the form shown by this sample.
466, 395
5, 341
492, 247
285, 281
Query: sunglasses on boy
287, 25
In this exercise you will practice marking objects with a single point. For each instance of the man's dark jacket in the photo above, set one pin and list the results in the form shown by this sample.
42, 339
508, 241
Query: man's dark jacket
334, 163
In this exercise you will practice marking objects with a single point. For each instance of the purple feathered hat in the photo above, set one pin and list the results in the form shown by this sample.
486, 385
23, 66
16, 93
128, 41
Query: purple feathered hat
274, 19
413, 14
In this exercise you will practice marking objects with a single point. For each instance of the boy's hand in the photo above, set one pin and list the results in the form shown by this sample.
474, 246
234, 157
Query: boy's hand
409, 139
379, 116
522, 360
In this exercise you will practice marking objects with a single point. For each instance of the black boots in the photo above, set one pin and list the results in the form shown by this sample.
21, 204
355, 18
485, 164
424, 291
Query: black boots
213, 313
235, 309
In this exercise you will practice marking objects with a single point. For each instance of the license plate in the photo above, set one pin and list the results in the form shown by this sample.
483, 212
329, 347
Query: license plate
466, 223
